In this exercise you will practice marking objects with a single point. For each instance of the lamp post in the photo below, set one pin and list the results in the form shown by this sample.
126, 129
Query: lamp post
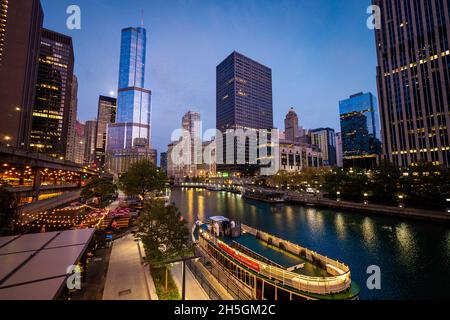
400, 200
366, 195
183, 272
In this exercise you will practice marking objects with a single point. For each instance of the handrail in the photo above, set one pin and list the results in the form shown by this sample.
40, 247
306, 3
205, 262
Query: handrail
316, 285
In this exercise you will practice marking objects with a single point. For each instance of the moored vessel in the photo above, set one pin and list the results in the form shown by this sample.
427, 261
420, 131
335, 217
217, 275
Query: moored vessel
269, 268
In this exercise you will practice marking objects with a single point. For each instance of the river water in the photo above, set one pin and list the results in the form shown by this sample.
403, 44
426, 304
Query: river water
414, 256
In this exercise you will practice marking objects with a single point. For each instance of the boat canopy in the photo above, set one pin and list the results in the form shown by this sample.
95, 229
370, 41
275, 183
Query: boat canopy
218, 219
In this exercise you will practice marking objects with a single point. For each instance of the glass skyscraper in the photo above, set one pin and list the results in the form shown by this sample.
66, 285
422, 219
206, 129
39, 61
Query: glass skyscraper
130, 136
360, 130
132, 127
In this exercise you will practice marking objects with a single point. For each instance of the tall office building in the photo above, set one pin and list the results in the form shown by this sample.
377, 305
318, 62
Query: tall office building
90, 134
192, 122
72, 122
361, 145
414, 80
243, 101
107, 110
129, 139
325, 139
79, 153
339, 155
292, 131
20, 35
291, 128
49, 132
163, 162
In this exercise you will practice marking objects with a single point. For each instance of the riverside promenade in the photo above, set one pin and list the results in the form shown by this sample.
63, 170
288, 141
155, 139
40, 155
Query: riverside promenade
413, 213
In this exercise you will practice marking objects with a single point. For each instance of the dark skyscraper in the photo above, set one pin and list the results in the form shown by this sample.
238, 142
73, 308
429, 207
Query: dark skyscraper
53, 95
360, 131
243, 101
414, 80
107, 110
244, 94
20, 34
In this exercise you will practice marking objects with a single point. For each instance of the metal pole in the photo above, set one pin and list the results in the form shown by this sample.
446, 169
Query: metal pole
183, 292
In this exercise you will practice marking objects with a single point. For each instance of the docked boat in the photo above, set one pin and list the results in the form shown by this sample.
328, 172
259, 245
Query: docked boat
214, 188
269, 268
266, 195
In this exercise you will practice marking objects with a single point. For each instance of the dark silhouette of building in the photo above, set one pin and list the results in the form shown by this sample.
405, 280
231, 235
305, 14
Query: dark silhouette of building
20, 35
107, 110
414, 80
51, 112
243, 101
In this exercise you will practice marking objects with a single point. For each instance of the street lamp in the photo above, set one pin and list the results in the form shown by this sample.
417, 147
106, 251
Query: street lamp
183, 261
365, 198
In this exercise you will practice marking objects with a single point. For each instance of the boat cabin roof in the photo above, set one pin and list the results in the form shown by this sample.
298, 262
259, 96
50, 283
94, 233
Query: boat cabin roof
218, 219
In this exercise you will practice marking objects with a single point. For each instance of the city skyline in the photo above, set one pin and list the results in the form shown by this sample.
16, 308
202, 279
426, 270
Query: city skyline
315, 65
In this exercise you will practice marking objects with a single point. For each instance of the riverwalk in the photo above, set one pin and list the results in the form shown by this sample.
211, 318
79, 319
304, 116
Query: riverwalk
413, 213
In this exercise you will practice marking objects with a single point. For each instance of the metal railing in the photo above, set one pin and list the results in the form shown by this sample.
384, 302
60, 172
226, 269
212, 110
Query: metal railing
209, 289
224, 277
339, 281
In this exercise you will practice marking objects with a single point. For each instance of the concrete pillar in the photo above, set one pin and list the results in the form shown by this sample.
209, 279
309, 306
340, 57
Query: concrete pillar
36, 184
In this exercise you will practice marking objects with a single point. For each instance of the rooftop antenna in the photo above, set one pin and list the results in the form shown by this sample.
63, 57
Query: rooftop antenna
142, 18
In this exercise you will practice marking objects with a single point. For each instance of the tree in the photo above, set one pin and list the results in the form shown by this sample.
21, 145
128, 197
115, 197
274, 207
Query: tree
164, 233
385, 182
99, 187
8, 211
142, 179
426, 185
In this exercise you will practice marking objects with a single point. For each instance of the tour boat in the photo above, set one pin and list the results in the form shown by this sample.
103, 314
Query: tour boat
214, 188
266, 267
266, 195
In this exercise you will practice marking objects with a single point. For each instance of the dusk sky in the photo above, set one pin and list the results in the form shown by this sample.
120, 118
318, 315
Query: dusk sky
320, 52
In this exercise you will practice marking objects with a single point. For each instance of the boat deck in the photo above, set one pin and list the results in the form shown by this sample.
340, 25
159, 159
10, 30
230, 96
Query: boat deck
249, 244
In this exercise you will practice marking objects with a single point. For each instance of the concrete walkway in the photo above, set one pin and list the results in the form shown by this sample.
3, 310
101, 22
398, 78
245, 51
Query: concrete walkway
194, 290
127, 278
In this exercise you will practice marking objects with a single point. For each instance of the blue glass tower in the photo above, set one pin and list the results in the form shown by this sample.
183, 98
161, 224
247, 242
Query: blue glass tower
360, 126
133, 125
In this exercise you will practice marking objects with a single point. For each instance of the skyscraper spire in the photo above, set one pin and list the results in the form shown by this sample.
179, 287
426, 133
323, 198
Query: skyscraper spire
142, 18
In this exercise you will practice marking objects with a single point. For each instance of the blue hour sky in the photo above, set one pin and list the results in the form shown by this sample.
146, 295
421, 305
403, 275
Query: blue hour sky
320, 52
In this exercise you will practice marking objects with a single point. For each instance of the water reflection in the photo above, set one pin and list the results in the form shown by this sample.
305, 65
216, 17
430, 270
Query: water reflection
414, 256
407, 244
340, 226
368, 232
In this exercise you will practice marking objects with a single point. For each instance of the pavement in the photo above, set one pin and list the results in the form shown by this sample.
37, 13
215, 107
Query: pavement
127, 277
96, 272
194, 290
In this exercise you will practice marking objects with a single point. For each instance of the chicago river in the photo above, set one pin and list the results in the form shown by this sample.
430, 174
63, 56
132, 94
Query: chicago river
414, 256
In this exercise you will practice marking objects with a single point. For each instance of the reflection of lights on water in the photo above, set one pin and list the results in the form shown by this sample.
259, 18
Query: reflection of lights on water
315, 220
368, 232
406, 240
289, 215
340, 226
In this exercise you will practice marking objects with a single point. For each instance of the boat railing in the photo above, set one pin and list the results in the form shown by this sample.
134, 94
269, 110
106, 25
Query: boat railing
337, 268
338, 282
